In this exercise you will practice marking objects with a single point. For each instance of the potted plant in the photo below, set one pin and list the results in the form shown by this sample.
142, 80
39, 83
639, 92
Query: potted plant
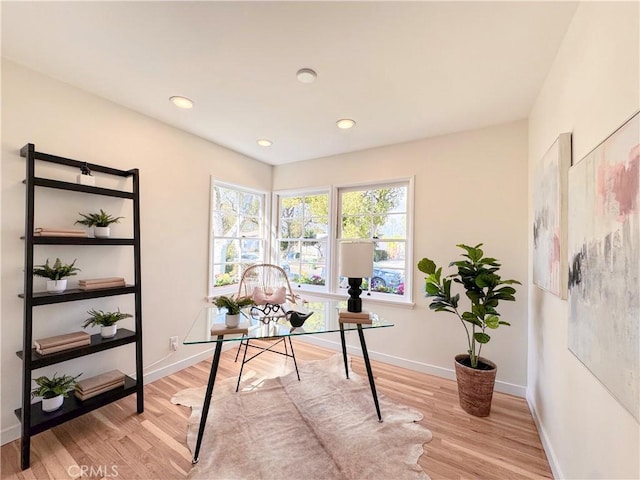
53, 390
233, 307
57, 274
100, 223
107, 321
484, 289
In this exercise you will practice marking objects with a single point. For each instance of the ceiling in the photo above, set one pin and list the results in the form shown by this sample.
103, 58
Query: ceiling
401, 70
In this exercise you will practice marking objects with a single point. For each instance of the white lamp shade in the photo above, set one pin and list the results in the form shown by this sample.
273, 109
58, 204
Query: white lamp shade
356, 259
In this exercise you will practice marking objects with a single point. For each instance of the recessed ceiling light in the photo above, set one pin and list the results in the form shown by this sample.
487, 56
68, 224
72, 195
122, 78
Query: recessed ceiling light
306, 75
181, 102
345, 123
263, 142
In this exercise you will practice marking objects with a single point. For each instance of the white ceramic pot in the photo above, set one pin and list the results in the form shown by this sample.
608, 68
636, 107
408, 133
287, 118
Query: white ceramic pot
86, 180
51, 404
232, 321
56, 286
102, 232
110, 331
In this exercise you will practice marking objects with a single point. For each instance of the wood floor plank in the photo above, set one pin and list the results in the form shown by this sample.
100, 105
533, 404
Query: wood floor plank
152, 445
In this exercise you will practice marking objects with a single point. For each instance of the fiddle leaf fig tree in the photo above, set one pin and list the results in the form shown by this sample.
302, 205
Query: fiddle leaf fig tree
483, 287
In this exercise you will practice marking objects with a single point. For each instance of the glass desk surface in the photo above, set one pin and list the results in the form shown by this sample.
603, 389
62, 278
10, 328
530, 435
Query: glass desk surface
323, 320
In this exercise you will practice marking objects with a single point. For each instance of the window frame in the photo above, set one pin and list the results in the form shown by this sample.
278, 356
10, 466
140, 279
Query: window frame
276, 217
407, 296
264, 231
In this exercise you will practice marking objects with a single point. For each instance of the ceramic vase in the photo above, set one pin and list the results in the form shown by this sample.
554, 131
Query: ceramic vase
56, 286
51, 404
102, 232
232, 321
109, 331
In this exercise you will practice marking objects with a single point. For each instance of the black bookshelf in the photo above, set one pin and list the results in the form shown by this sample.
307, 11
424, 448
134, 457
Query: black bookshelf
33, 419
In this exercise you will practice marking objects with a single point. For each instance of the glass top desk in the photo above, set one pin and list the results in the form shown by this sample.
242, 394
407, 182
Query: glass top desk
209, 327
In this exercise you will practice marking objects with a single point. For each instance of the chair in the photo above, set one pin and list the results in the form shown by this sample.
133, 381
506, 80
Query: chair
268, 278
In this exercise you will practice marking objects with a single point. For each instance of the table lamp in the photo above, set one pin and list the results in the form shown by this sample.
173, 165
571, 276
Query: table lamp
356, 263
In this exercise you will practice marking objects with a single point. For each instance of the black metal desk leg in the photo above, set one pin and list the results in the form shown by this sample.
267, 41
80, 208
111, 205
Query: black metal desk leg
207, 398
344, 350
365, 354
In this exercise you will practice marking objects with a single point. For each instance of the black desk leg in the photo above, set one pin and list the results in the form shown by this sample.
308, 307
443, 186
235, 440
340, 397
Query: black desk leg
207, 398
365, 354
344, 350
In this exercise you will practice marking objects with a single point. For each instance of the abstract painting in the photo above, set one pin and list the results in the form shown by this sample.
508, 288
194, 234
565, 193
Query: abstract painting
550, 218
604, 263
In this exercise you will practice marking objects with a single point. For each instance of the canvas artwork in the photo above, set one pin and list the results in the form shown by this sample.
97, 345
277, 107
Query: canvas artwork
550, 218
604, 263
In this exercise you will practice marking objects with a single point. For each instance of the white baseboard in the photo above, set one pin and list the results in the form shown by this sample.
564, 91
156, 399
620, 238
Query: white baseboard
448, 373
544, 438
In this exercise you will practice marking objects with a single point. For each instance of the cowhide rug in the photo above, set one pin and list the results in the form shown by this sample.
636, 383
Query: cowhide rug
323, 427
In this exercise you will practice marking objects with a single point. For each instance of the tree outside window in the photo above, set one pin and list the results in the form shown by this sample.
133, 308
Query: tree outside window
238, 233
303, 232
378, 213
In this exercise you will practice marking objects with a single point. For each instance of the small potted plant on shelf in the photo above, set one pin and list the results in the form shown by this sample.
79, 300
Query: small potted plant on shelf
57, 274
53, 390
484, 288
107, 321
100, 223
85, 177
233, 307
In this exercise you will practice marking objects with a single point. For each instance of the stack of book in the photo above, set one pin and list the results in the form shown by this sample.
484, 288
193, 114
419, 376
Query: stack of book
104, 382
346, 316
59, 232
59, 343
96, 283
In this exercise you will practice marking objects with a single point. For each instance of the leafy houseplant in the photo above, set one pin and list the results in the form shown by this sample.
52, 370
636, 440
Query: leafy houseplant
233, 307
484, 288
106, 320
56, 274
53, 390
99, 221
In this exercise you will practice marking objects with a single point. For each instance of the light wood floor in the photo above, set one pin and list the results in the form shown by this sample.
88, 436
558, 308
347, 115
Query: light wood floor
115, 442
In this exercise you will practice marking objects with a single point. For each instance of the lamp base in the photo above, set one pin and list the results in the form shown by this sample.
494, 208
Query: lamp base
354, 304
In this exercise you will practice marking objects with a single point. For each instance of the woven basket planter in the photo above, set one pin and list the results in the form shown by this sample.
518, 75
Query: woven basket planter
475, 386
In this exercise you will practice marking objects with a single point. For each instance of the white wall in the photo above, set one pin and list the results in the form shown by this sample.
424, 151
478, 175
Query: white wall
470, 187
591, 89
175, 169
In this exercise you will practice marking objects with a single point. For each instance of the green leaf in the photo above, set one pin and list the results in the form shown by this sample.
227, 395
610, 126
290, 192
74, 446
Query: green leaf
432, 289
427, 266
502, 322
492, 321
481, 337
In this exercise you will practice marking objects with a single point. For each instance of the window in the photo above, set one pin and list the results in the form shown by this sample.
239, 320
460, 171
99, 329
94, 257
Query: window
303, 233
380, 213
238, 236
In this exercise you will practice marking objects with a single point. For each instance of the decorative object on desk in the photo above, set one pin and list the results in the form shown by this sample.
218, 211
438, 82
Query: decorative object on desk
91, 387
276, 297
53, 390
301, 437
57, 274
59, 343
233, 307
98, 283
356, 263
85, 177
223, 329
268, 312
297, 319
484, 288
59, 232
345, 316
107, 321
100, 223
